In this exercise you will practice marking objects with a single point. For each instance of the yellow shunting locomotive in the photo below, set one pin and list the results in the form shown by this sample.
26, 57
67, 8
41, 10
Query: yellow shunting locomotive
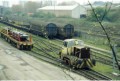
19, 39
76, 55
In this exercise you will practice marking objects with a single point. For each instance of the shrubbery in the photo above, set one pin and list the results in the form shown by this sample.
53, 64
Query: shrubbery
99, 11
112, 16
43, 15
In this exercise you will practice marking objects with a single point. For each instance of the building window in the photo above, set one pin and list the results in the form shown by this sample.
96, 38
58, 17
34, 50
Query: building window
83, 16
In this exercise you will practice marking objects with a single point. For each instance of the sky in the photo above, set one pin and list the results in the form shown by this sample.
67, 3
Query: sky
58, 1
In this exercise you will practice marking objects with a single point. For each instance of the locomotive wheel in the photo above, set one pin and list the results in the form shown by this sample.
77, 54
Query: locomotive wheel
75, 66
29, 48
67, 61
18, 46
93, 62
8, 40
64, 60
24, 47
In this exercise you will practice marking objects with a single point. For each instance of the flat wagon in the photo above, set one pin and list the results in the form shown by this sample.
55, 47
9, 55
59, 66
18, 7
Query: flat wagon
18, 39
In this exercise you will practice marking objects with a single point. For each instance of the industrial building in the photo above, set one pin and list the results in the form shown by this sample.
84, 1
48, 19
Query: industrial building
74, 11
5, 3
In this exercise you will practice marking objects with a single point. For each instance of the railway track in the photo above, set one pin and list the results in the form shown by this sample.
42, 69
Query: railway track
101, 55
47, 45
106, 59
90, 74
93, 75
45, 56
43, 52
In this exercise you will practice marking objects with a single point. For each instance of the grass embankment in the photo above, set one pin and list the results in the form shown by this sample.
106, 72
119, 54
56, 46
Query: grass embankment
106, 70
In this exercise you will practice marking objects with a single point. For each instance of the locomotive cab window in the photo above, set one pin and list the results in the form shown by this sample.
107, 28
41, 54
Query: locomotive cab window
69, 43
65, 44
24, 38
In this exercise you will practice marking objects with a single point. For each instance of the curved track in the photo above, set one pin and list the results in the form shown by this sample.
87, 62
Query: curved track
45, 49
90, 74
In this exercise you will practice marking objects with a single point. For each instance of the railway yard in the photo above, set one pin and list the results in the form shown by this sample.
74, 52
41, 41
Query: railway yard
60, 40
19, 65
43, 61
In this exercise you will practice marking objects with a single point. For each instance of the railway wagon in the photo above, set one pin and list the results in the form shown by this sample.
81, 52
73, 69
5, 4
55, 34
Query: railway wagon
18, 39
49, 29
4, 18
76, 55
65, 30
7, 21
43, 28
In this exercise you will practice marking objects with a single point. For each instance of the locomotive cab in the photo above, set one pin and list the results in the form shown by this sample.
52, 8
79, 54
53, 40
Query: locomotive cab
76, 54
72, 42
23, 37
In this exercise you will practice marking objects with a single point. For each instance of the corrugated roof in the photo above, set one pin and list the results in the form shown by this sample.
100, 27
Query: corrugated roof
58, 7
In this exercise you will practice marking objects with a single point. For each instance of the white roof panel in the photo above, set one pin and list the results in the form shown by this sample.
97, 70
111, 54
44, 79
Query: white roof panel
58, 7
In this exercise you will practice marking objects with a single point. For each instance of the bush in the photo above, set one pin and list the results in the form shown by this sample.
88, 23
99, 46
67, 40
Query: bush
64, 17
99, 11
43, 15
113, 15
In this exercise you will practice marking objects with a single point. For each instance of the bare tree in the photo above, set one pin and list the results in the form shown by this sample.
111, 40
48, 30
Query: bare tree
107, 35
